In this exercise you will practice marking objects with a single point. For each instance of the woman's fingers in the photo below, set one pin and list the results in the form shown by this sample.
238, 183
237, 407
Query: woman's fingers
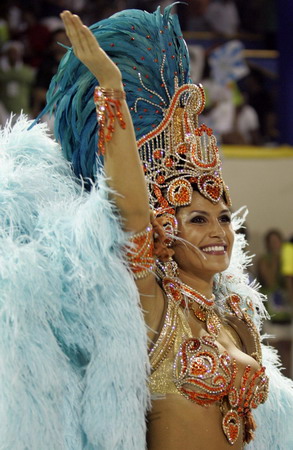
87, 50
83, 41
83, 35
89, 39
73, 30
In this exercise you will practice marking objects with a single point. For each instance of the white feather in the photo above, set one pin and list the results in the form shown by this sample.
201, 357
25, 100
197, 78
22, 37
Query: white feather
72, 375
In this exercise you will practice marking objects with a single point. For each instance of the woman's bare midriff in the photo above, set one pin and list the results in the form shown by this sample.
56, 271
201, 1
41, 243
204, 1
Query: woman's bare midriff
176, 423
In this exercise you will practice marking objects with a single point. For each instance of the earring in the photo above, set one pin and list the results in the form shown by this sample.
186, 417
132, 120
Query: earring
167, 269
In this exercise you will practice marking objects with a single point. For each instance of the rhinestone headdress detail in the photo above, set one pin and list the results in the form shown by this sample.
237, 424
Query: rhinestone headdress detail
181, 153
153, 58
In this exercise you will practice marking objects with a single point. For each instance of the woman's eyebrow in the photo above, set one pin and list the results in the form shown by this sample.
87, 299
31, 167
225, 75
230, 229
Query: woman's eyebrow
205, 213
198, 211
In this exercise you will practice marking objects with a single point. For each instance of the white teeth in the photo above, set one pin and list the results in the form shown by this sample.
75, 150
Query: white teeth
214, 248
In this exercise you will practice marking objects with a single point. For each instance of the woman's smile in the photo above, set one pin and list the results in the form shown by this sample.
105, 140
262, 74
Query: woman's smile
205, 237
219, 249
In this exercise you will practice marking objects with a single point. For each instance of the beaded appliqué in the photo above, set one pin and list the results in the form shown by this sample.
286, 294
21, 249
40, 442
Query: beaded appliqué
140, 253
108, 106
253, 391
180, 152
167, 336
202, 307
204, 375
201, 374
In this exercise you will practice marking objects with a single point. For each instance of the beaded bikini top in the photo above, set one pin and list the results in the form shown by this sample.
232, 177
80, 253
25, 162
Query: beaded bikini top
195, 368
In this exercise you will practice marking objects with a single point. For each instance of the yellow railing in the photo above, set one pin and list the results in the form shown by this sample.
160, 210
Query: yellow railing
248, 152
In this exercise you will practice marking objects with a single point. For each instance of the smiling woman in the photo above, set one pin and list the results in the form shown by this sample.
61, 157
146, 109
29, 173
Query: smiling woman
206, 227
123, 100
197, 352
196, 361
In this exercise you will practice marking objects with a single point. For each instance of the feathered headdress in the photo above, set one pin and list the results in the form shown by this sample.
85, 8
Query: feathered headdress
176, 151
137, 41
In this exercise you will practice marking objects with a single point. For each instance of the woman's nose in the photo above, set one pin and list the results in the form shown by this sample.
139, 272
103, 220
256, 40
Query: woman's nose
217, 229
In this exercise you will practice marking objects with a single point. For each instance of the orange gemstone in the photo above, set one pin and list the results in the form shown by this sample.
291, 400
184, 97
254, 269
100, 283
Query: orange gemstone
169, 162
198, 369
182, 149
182, 197
157, 154
157, 192
160, 179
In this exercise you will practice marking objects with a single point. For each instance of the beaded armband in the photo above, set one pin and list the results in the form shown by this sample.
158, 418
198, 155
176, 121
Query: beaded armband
108, 105
140, 253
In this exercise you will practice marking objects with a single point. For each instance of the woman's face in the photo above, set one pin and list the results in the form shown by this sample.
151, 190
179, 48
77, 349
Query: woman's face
207, 227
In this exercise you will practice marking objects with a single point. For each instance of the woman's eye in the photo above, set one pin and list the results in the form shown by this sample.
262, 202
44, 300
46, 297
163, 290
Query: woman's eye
225, 219
198, 219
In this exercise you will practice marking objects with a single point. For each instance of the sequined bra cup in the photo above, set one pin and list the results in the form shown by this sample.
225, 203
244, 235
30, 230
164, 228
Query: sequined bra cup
195, 368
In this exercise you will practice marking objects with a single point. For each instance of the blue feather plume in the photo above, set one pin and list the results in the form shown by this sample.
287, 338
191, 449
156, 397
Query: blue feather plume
138, 42
63, 339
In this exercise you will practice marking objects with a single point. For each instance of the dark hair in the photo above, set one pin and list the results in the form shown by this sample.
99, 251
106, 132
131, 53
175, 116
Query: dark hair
269, 234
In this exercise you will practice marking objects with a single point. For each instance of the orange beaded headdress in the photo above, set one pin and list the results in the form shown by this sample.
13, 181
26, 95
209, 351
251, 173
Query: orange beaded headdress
181, 153
177, 152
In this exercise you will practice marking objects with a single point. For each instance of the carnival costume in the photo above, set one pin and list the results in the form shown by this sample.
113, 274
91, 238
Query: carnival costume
73, 342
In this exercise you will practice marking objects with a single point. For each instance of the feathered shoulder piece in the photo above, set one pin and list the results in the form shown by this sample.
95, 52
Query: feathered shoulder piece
237, 280
151, 54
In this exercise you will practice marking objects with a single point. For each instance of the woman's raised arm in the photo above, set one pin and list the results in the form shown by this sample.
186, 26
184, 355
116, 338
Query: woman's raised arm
122, 163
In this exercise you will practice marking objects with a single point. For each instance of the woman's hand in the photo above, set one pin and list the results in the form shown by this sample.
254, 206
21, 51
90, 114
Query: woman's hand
88, 51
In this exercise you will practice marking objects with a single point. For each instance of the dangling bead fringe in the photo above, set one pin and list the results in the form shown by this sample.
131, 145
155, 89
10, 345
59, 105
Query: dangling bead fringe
108, 105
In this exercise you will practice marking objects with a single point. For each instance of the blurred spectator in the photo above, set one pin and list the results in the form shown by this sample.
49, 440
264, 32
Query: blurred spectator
227, 112
35, 36
260, 97
4, 25
219, 110
197, 62
4, 31
14, 17
53, 24
271, 278
196, 16
218, 16
245, 124
222, 17
278, 298
233, 121
51, 8
287, 266
47, 69
33, 21
16, 79
251, 13
265, 20
270, 24
100, 9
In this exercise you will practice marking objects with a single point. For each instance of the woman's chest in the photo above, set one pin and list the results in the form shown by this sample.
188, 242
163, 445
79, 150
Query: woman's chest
207, 369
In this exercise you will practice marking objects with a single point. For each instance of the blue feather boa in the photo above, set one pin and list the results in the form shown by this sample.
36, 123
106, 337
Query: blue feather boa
63, 339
